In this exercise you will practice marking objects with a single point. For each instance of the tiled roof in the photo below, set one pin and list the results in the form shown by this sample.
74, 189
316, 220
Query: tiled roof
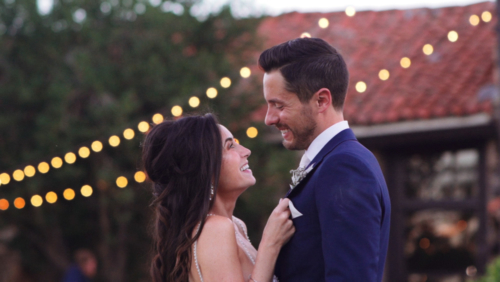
444, 84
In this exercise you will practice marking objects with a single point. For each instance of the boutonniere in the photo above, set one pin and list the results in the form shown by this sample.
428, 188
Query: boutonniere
299, 174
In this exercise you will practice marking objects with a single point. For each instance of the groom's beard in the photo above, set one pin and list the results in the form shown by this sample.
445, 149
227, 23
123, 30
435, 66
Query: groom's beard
302, 131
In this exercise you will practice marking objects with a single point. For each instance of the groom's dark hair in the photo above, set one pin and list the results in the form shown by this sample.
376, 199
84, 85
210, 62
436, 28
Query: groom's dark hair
307, 65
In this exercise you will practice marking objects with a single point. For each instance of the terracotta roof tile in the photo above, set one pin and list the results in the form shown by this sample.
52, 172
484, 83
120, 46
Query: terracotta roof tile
445, 83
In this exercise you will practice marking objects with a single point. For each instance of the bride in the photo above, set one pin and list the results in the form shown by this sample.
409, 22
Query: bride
199, 171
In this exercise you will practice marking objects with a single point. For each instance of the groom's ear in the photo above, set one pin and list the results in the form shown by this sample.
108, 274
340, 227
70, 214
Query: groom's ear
323, 99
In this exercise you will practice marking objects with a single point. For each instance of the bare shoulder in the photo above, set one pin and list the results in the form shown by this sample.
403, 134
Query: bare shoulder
217, 230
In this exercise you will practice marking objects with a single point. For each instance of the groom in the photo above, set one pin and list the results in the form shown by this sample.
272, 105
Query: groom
341, 208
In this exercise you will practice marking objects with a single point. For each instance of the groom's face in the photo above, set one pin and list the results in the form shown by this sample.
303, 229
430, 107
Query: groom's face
285, 111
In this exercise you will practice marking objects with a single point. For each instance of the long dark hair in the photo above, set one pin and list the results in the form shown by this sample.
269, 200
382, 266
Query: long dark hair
183, 159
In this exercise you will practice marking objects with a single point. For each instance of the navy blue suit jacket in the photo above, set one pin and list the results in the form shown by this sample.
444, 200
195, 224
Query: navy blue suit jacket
343, 234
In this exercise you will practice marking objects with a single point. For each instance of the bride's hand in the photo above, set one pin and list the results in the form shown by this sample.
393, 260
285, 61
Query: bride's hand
279, 227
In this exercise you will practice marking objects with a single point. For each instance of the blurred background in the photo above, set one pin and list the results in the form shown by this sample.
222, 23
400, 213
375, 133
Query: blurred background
81, 82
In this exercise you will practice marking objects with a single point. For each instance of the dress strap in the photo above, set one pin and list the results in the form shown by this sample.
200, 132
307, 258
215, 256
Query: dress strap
195, 256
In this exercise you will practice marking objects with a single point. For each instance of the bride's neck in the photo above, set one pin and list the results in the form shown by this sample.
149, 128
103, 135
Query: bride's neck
224, 205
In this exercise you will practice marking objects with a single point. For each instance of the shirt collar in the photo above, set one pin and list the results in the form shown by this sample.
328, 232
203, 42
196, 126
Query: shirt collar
320, 141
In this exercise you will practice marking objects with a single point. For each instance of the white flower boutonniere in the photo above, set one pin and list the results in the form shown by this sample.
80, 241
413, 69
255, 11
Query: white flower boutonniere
299, 174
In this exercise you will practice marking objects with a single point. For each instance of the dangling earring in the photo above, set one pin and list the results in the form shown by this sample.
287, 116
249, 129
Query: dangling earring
211, 192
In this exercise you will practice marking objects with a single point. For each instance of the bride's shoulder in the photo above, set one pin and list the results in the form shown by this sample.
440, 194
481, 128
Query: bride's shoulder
217, 236
217, 226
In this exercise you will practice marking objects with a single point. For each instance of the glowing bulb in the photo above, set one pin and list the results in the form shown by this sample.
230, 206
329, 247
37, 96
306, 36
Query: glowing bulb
176, 111
70, 158
453, 36
305, 35
128, 133
383, 74
19, 203
4, 204
84, 152
474, 20
29, 171
361, 86
157, 118
428, 49
4, 178
86, 190
114, 141
36, 200
18, 175
121, 182
56, 162
323, 23
350, 11
69, 194
225, 82
245, 72
194, 102
140, 176
96, 146
405, 62
51, 197
43, 167
211, 92
252, 132
143, 126
486, 16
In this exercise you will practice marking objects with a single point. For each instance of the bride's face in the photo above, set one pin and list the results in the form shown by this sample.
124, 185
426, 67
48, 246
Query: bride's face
235, 171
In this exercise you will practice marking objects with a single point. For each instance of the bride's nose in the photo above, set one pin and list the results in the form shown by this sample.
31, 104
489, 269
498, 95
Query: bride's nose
246, 152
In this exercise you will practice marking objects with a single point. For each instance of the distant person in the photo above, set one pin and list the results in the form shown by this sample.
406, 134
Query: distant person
84, 269
339, 198
199, 170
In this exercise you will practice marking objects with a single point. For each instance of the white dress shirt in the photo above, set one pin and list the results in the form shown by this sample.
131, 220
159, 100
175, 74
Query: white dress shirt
320, 141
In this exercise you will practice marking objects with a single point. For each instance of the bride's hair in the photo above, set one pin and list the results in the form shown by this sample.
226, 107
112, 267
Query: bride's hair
183, 159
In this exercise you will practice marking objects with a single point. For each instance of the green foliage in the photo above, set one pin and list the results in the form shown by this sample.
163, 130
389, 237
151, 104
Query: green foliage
492, 272
88, 70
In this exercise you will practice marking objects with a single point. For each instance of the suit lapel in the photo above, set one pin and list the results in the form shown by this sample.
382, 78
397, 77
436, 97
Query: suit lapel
343, 136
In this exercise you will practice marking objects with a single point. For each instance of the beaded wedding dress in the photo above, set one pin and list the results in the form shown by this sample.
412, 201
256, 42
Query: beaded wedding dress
243, 243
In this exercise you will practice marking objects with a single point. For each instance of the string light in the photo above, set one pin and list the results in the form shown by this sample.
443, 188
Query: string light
157, 118
114, 141
51, 197
194, 102
143, 126
237, 141
70, 158
252, 132
69, 194
36, 200
128, 133
428, 49
474, 20
225, 82
86, 190
56, 162
361, 86
19, 203
121, 182
18, 175
383, 74
405, 62
29, 171
305, 35
140, 177
4, 204
96, 146
245, 72
323, 23
453, 36
486, 16
84, 152
176, 111
43, 167
211, 92
350, 11
4, 178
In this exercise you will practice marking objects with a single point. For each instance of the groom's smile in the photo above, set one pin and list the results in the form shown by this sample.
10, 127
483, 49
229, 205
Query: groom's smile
294, 119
